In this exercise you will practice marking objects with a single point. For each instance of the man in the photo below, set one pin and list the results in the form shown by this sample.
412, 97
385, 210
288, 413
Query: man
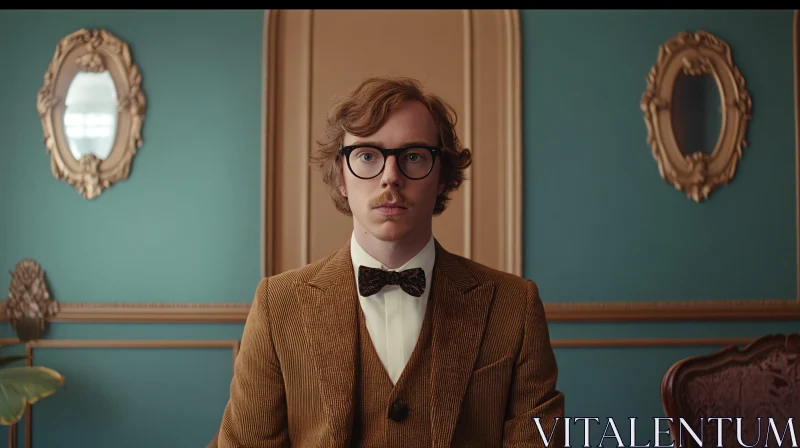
393, 341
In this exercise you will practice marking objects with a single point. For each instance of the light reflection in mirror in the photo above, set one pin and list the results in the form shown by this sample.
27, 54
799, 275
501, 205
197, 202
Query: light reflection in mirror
90, 119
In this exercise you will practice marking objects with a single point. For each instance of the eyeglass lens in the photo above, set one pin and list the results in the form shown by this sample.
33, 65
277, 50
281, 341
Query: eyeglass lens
415, 163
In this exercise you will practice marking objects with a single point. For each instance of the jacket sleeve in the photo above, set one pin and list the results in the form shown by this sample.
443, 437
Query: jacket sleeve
533, 394
255, 416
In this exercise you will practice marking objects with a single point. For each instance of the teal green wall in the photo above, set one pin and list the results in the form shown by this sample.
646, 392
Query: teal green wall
183, 228
600, 224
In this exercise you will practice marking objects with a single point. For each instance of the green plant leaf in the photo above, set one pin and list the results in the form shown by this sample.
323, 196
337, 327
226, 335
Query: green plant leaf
5, 360
22, 385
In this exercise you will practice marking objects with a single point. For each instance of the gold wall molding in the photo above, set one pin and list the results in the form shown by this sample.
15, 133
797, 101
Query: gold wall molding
8, 341
666, 311
234, 345
87, 343
148, 312
674, 311
649, 342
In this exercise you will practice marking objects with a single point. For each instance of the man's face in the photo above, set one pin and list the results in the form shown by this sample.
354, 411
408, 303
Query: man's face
390, 206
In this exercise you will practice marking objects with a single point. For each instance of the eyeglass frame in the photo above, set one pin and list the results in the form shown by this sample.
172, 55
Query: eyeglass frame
433, 150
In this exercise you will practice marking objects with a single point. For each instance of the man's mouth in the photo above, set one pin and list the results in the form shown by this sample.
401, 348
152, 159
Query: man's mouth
390, 209
390, 205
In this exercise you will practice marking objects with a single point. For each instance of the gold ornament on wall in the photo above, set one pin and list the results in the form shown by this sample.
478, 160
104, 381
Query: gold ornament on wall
92, 110
29, 304
683, 61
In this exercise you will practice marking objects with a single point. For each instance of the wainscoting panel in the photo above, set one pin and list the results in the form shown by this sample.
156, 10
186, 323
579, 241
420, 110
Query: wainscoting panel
131, 393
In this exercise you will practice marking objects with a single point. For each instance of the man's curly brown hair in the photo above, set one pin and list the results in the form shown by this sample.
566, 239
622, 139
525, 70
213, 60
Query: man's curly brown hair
363, 112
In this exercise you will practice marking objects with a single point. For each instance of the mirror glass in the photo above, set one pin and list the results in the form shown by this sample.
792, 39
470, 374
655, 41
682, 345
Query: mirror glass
90, 118
696, 113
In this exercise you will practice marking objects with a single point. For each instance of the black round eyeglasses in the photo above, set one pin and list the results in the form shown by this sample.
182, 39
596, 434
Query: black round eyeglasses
368, 161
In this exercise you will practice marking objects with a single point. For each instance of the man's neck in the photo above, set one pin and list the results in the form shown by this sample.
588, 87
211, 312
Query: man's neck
392, 254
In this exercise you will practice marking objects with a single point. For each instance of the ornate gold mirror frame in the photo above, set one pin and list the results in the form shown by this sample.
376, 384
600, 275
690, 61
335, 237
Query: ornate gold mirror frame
699, 173
93, 83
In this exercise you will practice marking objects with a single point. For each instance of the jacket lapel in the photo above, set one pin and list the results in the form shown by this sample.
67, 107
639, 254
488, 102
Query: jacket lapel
329, 315
460, 308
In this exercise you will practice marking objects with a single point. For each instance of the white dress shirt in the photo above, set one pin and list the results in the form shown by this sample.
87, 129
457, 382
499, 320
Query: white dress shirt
394, 318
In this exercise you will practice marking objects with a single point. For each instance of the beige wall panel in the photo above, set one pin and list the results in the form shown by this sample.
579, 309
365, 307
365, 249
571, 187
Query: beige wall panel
470, 58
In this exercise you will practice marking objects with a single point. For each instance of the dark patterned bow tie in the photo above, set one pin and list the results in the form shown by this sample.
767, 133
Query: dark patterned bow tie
371, 280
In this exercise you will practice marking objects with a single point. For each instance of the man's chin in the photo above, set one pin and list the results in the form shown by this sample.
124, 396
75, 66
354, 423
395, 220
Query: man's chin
379, 219
389, 229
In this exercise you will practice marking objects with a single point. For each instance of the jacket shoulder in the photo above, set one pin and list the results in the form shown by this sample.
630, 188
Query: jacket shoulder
287, 279
484, 274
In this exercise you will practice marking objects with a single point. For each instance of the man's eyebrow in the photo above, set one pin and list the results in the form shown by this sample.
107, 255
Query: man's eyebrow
378, 144
418, 143
367, 143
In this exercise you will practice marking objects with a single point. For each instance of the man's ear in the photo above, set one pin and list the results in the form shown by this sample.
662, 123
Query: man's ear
340, 181
441, 189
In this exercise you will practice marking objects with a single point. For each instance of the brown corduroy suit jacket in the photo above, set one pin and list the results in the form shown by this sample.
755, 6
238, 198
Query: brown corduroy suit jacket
490, 356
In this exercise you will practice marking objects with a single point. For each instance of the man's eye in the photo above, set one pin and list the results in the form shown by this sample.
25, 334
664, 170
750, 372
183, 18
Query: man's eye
414, 157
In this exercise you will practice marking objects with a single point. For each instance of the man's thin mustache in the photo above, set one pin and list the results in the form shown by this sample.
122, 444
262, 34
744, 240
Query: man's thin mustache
389, 196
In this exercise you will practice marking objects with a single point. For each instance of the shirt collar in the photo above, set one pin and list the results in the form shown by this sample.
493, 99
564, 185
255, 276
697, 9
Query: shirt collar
423, 259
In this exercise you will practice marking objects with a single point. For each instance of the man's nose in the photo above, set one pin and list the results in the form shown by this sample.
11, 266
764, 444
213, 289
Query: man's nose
391, 173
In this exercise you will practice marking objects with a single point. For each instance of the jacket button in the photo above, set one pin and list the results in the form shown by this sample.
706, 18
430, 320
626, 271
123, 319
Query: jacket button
398, 411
